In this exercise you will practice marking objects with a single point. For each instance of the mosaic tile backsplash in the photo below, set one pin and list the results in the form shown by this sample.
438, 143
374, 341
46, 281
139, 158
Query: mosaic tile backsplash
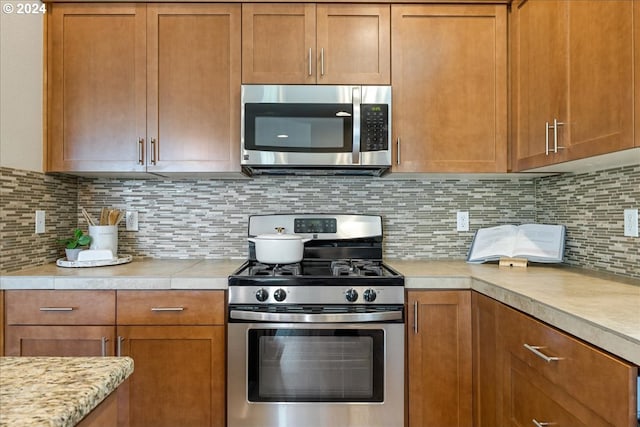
208, 218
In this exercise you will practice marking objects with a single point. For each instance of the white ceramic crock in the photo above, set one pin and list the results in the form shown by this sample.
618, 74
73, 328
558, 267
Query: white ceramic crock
279, 248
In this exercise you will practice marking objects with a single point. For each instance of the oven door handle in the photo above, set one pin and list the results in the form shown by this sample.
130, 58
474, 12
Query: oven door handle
316, 318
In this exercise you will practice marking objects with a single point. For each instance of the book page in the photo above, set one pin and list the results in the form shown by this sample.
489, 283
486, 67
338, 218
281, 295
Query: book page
493, 242
536, 241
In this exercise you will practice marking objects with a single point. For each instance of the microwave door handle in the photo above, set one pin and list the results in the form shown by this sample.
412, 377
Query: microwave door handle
316, 318
356, 99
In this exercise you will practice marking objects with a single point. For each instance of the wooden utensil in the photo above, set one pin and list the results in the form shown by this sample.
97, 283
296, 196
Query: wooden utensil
104, 216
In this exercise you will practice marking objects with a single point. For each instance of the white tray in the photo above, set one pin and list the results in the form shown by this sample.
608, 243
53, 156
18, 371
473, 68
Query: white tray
122, 259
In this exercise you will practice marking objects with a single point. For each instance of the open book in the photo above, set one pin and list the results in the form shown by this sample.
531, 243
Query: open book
535, 242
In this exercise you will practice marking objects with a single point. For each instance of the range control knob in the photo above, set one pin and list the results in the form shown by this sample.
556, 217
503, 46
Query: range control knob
262, 295
369, 295
351, 295
280, 295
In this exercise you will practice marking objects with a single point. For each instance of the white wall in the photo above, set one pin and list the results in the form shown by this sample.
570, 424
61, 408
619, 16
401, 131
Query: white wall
21, 87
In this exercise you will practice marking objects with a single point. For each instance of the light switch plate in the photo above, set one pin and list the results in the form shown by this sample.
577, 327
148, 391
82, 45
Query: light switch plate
631, 222
463, 221
40, 222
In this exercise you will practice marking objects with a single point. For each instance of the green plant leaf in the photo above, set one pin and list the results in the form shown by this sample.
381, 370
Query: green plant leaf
84, 240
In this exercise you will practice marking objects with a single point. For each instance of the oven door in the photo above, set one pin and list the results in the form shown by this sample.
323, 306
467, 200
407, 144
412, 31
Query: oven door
315, 374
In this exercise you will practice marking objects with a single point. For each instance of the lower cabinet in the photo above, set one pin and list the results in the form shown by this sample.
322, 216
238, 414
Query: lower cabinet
177, 342
439, 358
527, 373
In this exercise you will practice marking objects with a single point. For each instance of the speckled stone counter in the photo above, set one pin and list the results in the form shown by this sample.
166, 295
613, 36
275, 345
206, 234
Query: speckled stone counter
56, 391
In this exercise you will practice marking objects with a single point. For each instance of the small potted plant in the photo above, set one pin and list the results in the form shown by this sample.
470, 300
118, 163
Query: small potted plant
74, 244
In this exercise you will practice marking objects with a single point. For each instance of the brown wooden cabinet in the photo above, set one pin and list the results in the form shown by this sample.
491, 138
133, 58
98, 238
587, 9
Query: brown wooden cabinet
177, 341
636, 66
136, 87
449, 88
304, 43
60, 323
439, 358
525, 370
572, 66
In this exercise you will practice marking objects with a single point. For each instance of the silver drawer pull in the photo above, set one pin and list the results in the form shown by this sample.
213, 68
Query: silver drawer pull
56, 308
536, 350
167, 308
540, 423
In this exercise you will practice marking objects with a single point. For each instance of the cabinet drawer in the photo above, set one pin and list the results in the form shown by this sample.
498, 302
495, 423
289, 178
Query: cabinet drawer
60, 307
600, 381
170, 307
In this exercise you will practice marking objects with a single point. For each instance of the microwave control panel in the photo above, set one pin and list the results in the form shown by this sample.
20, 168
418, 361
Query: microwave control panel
374, 127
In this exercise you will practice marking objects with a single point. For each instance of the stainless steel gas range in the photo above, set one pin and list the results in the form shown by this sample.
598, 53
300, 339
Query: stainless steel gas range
319, 343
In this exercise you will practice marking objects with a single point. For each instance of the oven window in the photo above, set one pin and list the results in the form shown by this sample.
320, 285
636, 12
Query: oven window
316, 365
313, 128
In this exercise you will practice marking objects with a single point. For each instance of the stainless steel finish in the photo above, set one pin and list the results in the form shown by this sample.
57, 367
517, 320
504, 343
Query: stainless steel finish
167, 308
56, 309
310, 61
315, 294
119, 346
556, 123
398, 151
322, 61
546, 138
103, 346
242, 413
153, 151
348, 226
539, 423
305, 94
315, 318
355, 154
415, 317
536, 350
141, 151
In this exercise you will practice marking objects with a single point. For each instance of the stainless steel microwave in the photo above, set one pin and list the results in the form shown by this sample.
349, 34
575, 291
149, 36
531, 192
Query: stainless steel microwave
321, 129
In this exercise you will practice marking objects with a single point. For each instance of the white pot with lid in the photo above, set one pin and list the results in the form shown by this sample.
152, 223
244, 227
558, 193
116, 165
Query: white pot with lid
279, 248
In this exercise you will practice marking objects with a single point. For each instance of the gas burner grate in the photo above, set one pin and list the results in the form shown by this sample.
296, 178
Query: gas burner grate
275, 270
356, 268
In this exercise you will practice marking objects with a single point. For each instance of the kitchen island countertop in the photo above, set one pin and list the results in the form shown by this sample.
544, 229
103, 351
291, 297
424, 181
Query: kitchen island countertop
56, 391
603, 310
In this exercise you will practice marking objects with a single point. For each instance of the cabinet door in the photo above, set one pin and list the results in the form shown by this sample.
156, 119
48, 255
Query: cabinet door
450, 88
353, 44
278, 43
96, 87
193, 84
539, 75
600, 77
439, 358
636, 66
485, 376
179, 375
59, 340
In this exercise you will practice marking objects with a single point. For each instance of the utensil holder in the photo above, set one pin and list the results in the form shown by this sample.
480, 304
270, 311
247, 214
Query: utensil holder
104, 237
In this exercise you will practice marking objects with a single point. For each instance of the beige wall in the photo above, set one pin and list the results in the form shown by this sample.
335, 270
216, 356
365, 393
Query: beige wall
21, 79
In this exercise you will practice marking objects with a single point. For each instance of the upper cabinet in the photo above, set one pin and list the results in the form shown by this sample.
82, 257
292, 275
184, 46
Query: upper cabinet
305, 43
136, 88
636, 50
572, 80
449, 88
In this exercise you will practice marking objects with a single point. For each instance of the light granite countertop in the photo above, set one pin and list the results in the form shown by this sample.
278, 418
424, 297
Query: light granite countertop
56, 391
600, 309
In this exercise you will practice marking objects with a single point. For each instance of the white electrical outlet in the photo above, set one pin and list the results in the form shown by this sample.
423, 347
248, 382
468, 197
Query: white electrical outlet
131, 221
40, 222
631, 222
463, 221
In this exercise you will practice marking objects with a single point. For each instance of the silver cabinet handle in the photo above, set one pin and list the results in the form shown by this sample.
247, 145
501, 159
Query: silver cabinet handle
141, 151
546, 138
556, 123
103, 346
415, 317
167, 308
310, 61
56, 308
539, 423
398, 150
119, 349
153, 151
322, 61
536, 350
